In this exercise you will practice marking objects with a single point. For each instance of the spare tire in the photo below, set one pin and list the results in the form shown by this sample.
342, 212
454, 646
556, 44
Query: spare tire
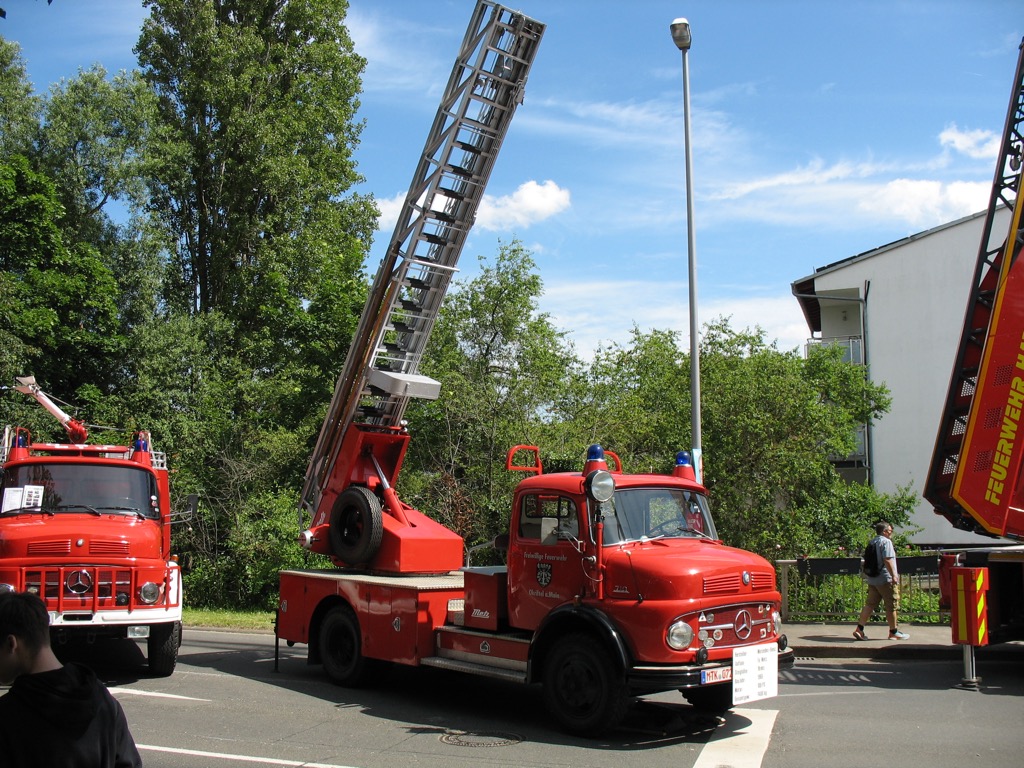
357, 525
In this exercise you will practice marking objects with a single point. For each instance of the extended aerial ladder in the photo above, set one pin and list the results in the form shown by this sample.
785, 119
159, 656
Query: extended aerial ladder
974, 478
358, 455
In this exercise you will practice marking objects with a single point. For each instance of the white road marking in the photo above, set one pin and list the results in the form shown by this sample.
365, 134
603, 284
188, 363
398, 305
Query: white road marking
137, 692
239, 758
735, 745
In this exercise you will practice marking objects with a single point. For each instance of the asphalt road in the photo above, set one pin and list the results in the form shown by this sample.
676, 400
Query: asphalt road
226, 706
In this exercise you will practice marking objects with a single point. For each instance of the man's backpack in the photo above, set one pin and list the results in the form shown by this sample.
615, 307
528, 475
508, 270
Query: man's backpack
870, 557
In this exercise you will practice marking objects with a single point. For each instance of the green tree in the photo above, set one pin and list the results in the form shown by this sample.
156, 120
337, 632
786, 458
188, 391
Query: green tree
250, 164
635, 401
19, 107
60, 300
88, 143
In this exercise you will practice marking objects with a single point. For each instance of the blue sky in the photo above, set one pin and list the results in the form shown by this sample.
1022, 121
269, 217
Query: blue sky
820, 130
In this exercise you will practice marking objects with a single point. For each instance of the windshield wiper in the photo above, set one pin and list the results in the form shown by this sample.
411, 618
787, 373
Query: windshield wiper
30, 508
133, 510
677, 529
699, 533
86, 507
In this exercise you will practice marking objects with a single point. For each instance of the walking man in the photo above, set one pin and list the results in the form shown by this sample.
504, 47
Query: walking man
883, 585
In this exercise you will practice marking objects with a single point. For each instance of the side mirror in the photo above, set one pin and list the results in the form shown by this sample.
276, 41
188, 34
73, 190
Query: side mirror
191, 507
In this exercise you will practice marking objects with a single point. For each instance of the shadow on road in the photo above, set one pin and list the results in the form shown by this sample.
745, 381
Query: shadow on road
451, 705
115, 661
998, 678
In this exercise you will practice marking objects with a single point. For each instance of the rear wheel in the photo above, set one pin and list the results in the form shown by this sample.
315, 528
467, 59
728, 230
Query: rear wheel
357, 525
583, 688
162, 648
341, 649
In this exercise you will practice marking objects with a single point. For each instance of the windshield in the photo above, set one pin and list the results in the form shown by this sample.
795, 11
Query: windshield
655, 513
93, 488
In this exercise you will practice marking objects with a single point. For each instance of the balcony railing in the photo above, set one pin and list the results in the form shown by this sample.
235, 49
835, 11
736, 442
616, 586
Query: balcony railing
853, 347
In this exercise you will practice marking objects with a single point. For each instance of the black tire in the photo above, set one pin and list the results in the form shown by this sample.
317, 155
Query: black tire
357, 525
341, 649
162, 648
584, 690
715, 698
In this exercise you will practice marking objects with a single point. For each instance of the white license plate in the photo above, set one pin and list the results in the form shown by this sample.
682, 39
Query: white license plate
719, 675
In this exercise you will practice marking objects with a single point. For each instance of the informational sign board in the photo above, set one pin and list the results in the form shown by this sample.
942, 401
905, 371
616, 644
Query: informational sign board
18, 498
755, 672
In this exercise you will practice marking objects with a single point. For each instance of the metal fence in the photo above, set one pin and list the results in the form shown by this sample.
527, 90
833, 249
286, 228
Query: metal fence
831, 589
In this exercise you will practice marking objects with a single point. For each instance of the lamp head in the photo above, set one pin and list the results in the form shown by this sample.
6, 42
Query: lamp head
681, 34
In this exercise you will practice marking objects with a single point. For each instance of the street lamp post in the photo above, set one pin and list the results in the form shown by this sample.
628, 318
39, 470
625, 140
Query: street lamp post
681, 37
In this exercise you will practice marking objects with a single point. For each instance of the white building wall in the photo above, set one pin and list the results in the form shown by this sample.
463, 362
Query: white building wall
917, 292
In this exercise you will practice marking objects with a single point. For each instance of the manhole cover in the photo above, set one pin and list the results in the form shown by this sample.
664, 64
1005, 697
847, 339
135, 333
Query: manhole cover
471, 739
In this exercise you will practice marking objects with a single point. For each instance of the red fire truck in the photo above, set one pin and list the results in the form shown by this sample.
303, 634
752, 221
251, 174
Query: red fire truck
87, 528
615, 585
975, 474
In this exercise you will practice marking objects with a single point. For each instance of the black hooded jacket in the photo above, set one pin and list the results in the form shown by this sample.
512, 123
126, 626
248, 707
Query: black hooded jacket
64, 719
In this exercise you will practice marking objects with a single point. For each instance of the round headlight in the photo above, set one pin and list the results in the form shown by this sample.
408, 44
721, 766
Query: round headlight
149, 593
7, 588
679, 636
777, 622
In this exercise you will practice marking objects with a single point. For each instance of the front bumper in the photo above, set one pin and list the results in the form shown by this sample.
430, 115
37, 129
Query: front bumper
653, 678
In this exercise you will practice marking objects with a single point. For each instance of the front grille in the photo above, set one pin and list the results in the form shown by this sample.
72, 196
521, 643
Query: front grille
735, 625
83, 588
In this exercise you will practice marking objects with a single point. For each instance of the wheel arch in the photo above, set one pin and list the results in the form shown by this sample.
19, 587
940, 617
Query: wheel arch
576, 618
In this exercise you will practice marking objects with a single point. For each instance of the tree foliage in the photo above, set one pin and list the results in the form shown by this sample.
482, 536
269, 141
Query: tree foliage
19, 107
251, 156
60, 301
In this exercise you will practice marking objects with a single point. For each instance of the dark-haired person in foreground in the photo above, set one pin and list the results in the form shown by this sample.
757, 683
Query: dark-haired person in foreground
55, 715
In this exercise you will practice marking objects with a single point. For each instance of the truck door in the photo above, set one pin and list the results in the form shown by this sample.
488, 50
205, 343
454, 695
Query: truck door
544, 557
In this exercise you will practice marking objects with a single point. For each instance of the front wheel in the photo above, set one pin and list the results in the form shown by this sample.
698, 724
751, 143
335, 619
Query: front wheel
341, 649
715, 698
162, 648
583, 688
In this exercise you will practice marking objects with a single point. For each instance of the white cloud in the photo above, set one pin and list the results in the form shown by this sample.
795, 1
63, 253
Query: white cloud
925, 203
530, 203
390, 208
597, 313
976, 144
814, 174
845, 195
